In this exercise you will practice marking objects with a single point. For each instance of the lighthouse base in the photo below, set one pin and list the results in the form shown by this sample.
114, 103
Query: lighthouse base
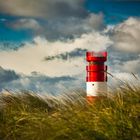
96, 88
93, 99
96, 91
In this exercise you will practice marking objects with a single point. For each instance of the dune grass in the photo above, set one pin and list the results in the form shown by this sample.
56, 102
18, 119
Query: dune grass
28, 116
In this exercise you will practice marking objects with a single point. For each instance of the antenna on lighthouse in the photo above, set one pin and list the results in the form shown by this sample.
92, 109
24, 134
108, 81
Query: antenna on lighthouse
96, 80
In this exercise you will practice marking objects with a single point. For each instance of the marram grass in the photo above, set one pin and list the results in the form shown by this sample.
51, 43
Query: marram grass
28, 116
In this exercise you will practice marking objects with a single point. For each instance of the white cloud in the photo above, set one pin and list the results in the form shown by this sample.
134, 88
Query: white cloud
42, 84
37, 82
59, 28
132, 66
30, 57
43, 8
3, 19
126, 36
95, 21
26, 23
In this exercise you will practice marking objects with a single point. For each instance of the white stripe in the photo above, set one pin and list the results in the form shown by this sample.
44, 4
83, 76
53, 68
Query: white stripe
96, 88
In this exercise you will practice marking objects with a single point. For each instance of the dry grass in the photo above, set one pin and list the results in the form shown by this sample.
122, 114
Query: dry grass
28, 116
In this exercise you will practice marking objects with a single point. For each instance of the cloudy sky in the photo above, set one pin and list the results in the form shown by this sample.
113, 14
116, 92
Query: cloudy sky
43, 42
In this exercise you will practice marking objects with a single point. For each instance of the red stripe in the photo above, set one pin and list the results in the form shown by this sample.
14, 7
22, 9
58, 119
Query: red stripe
96, 59
96, 68
91, 56
95, 79
96, 76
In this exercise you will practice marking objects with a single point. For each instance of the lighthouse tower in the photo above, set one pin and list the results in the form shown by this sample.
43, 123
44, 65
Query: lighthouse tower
96, 80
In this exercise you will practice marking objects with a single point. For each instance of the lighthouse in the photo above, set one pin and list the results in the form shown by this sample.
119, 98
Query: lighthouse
96, 80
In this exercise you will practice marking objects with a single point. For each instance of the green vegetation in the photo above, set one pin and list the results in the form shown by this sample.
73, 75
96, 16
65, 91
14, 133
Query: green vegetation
28, 116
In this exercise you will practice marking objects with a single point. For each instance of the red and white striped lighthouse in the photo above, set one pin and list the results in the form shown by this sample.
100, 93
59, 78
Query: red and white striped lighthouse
96, 80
